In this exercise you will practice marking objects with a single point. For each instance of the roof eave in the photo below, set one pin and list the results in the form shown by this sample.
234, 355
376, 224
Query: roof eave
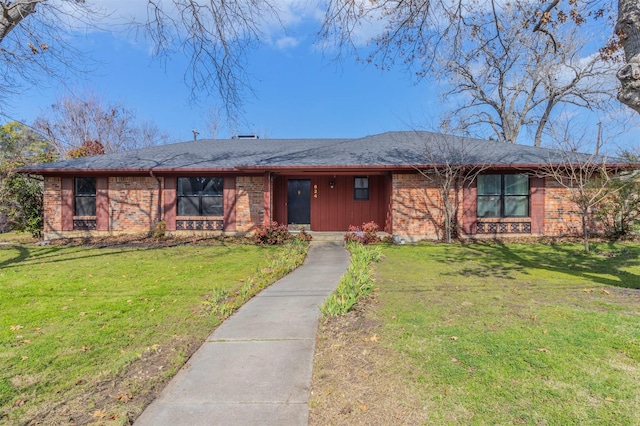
288, 169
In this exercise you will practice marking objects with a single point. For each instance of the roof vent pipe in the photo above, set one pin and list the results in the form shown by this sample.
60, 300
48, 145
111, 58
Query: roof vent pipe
245, 137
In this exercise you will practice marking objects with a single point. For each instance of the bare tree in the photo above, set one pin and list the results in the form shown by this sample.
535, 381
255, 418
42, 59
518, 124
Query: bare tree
35, 46
508, 78
450, 168
217, 35
214, 35
73, 122
586, 178
213, 121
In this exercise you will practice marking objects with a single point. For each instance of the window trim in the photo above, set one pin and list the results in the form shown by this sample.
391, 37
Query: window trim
77, 195
503, 197
200, 197
366, 189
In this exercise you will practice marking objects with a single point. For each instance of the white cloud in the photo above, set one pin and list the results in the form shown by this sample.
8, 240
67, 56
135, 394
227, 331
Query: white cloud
287, 42
123, 11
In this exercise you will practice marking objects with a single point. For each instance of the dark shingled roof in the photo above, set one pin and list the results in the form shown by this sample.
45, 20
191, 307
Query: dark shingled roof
391, 150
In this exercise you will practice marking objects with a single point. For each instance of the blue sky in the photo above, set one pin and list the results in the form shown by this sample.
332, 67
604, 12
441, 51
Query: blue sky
299, 92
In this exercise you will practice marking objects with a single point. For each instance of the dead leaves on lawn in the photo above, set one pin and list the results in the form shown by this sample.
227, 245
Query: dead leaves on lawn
602, 291
103, 415
124, 397
373, 338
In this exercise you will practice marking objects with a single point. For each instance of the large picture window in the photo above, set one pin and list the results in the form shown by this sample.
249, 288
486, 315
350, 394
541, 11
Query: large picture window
200, 196
503, 195
361, 188
84, 196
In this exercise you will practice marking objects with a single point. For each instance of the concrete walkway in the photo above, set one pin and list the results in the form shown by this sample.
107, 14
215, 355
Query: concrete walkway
255, 369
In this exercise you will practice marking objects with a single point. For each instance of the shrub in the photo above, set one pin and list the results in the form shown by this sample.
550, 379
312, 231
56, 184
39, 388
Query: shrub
303, 236
159, 231
274, 234
21, 203
367, 234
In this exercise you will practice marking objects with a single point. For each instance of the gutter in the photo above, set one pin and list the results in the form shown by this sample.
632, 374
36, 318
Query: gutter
283, 169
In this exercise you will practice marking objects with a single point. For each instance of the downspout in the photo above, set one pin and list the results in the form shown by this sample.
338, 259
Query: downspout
159, 209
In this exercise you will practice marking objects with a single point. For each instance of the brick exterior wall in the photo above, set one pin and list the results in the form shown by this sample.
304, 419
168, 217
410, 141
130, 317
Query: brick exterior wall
133, 203
562, 217
416, 209
249, 202
52, 193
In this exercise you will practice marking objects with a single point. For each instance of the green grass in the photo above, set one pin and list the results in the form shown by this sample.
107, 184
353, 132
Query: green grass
73, 316
517, 333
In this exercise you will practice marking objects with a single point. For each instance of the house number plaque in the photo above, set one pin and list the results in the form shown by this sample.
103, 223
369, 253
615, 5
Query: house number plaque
315, 191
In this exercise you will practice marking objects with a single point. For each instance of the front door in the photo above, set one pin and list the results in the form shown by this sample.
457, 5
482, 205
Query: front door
299, 201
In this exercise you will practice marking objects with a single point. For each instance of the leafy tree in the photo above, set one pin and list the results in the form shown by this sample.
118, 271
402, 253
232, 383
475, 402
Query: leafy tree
87, 149
21, 195
21, 203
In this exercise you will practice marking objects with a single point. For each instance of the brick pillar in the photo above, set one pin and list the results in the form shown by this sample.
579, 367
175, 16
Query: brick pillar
537, 212
170, 203
469, 207
67, 204
229, 202
267, 199
102, 204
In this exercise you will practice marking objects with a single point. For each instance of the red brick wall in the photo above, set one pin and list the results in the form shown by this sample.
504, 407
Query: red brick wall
133, 203
416, 210
562, 217
52, 204
249, 202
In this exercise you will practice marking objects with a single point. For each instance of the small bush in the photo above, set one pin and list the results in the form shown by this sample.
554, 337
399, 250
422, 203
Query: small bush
159, 231
303, 236
274, 234
367, 234
389, 239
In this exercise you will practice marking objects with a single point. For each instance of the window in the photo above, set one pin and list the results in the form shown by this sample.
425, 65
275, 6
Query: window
84, 196
200, 196
361, 188
503, 195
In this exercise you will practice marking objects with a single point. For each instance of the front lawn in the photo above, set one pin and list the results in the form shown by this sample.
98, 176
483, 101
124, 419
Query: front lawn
487, 334
87, 332
517, 333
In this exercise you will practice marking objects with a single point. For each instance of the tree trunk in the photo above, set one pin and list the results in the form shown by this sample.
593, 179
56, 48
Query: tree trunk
585, 232
11, 13
628, 29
